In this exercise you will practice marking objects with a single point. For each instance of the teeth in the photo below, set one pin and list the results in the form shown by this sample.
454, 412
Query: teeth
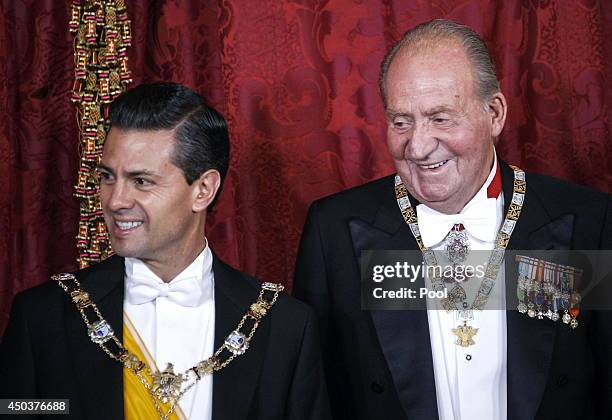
127, 225
434, 165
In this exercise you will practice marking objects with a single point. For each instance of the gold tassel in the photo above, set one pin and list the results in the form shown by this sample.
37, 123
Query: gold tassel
102, 35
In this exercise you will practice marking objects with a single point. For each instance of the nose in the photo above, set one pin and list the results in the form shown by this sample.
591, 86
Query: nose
116, 196
422, 142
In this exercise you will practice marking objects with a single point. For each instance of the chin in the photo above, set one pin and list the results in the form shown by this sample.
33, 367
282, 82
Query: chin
124, 251
434, 195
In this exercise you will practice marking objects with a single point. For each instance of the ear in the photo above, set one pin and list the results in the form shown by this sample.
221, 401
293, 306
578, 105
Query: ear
206, 188
497, 108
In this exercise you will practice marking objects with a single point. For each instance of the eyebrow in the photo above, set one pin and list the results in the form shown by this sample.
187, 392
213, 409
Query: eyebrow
438, 109
131, 174
435, 110
392, 113
102, 167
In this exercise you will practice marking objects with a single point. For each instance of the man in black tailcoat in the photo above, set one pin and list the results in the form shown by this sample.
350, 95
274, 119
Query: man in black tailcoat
187, 336
445, 112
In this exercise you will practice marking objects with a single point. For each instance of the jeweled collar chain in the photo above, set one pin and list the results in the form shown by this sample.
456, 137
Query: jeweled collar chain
166, 386
465, 332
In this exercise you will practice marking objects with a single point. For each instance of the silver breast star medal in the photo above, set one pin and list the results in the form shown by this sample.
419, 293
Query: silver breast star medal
457, 245
167, 384
465, 335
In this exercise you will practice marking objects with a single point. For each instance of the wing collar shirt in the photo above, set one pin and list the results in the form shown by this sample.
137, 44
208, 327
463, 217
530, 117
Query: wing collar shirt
176, 321
471, 381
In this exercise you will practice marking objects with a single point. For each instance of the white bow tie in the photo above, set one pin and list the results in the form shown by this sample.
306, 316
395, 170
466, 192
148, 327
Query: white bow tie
185, 292
479, 219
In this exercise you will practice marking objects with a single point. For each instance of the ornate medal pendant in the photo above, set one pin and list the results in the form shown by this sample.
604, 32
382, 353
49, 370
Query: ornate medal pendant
237, 342
566, 317
456, 248
167, 384
457, 294
465, 335
100, 332
457, 245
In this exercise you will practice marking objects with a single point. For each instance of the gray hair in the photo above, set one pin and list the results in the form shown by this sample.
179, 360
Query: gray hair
429, 34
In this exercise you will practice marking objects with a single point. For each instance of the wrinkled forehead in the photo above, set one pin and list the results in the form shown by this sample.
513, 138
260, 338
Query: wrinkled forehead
442, 75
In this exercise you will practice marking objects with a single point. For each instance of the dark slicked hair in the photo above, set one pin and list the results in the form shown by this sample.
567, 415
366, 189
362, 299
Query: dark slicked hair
427, 35
200, 132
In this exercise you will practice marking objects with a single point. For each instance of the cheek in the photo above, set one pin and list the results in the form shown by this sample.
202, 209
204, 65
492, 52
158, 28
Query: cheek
396, 144
469, 144
476, 140
104, 193
165, 208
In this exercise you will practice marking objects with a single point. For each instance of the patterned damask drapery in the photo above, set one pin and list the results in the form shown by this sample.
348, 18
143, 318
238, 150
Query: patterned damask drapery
297, 81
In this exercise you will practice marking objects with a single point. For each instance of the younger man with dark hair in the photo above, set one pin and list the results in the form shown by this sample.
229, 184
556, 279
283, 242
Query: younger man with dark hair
164, 328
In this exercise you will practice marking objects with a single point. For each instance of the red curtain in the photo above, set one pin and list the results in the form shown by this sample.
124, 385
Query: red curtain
297, 81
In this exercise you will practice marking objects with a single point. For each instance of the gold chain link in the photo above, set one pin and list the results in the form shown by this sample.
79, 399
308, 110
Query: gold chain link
143, 372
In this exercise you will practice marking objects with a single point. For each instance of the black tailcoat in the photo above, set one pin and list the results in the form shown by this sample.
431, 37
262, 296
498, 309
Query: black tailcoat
46, 352
379, 363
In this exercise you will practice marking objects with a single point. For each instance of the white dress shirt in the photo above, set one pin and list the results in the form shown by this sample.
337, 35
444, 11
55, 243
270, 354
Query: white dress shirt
471, 381
172, 332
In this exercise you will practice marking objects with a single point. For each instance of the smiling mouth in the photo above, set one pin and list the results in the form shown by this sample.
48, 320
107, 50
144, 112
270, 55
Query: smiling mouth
126, 226
433, 165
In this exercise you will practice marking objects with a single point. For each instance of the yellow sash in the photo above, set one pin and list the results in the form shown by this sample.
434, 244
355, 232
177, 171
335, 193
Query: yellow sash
137, 403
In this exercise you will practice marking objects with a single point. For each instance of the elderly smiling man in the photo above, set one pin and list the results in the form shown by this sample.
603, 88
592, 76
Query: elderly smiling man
445, 112
164, 329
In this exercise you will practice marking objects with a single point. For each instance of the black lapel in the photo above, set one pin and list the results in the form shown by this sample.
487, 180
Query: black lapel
100, 378
530, 341
234, 386
403, 335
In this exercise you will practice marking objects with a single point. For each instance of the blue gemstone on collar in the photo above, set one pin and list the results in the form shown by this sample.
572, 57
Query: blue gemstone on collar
100, 332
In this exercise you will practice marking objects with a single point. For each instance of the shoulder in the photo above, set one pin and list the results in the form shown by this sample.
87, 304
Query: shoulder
559, 191
246, 288
559, 197
288, 322
49, 297
41, 311
361, 201
356, 195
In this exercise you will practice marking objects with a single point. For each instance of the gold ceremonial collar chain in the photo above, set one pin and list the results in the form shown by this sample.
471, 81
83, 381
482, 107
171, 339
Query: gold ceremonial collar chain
465, 332
166, 386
